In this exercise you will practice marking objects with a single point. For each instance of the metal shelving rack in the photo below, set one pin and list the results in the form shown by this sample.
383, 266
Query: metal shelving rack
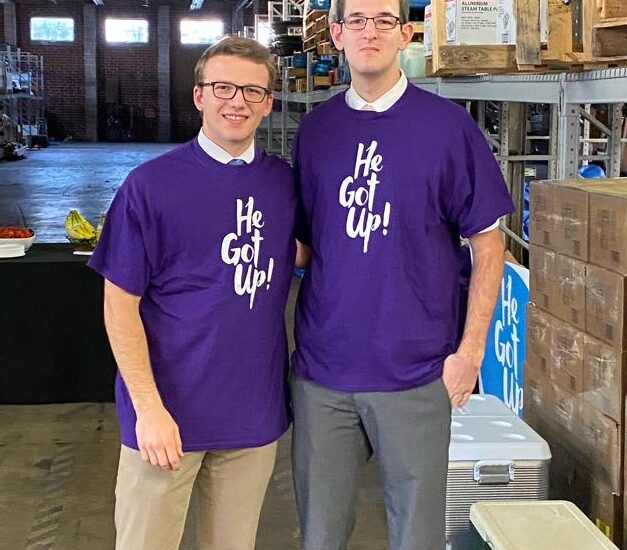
21, 96
570, 97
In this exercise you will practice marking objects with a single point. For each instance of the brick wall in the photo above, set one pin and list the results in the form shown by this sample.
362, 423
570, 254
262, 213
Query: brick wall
127, 74
127, 80
63, 67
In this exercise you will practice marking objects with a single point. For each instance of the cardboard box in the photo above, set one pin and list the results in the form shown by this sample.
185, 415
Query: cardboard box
321, 81
536, 396
574, 479
539, 341
565, 412
605, 373
541, 268
570, 290
559, 218
428, 36
571, 221
471, 22
606, 306
557, 285
603, 444
555, 349
567, 356
297, 72
608, 224
541, 224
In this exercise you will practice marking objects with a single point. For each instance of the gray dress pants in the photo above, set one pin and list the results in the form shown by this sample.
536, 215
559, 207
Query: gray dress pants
335, 433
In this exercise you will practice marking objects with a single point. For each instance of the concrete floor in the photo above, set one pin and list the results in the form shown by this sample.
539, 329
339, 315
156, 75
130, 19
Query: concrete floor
58, 462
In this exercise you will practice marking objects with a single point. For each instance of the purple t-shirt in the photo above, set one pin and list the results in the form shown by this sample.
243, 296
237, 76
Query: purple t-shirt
384, 198
210, 249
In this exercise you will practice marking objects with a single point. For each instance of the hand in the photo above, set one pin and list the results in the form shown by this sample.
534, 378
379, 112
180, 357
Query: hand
460, 376
158, 438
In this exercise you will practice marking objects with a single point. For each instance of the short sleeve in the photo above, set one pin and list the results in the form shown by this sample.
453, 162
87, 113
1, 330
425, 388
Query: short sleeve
120, 255
472, 188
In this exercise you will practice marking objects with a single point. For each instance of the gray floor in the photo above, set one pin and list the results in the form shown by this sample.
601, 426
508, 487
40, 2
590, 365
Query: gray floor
58, 462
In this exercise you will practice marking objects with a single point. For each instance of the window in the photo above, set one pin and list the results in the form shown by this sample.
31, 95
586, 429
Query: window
264, 33
201, 31
126, 30
52, 29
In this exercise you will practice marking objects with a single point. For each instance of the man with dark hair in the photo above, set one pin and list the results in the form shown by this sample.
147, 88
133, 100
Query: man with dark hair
197, 254
389, 178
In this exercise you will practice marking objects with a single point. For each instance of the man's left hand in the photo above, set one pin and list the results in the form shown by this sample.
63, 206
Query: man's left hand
460, 376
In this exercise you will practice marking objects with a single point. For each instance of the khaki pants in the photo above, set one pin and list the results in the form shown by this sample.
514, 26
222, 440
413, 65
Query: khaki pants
151, 503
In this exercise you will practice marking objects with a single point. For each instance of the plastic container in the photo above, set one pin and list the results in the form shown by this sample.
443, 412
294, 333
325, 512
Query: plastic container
552, 524
483, 405
412, 60
492, 457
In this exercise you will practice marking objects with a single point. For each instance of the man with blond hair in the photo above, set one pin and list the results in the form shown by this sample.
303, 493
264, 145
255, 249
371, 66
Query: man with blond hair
197, 255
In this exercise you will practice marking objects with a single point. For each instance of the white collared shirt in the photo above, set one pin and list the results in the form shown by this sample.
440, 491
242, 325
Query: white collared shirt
217, 153
383, 103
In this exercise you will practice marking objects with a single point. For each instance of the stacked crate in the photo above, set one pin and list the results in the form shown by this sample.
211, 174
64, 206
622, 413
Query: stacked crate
315, 29
576, 368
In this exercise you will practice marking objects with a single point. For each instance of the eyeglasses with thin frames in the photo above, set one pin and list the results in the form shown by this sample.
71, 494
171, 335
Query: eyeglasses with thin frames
359, 22
227, 90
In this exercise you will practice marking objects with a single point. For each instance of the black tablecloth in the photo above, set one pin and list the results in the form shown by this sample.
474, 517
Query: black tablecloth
53, 346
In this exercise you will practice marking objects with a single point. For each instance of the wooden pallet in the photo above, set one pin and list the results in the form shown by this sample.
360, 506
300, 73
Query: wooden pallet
596, 43
576, 41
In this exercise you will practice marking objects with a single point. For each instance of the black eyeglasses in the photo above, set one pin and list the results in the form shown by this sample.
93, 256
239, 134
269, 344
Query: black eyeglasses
359, 22
226, 90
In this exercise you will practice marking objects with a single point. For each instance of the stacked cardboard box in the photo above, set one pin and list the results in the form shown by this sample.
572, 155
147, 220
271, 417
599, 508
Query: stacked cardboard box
576, 369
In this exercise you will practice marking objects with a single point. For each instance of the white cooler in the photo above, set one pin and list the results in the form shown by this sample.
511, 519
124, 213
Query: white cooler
493, 455
552, 524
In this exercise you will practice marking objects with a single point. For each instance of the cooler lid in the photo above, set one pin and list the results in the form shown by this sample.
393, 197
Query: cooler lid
483, 405
537, 525
495, 438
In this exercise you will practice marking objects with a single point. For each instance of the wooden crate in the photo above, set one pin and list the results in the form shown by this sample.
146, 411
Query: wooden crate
613, 8
309, 44
609, 38
321, 23
312, 15
594, 43
326, 48
322, 36
321, 82
451, 60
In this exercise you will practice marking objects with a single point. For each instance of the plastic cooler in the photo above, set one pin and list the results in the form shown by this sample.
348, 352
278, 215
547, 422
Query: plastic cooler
552, 524
493, 455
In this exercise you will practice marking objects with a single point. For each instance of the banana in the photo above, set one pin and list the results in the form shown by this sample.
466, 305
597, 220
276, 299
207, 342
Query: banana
78, 228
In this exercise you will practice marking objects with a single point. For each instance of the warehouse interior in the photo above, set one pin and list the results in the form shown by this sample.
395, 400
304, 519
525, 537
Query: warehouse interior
89, 90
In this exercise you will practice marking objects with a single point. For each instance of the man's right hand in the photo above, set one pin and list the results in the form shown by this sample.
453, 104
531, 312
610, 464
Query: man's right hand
158, 438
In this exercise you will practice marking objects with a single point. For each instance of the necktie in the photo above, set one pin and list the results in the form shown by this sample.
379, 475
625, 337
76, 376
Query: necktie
237, 162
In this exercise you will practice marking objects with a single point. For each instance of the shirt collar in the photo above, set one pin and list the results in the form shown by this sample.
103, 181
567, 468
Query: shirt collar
383, 103
217, 153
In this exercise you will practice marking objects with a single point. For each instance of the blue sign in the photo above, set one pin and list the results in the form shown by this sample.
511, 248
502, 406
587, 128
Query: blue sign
502, 369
